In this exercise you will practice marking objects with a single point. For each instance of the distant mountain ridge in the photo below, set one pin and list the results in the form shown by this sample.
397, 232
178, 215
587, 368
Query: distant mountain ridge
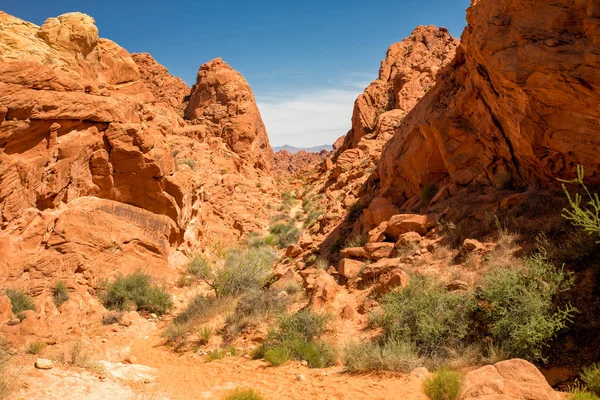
294, 150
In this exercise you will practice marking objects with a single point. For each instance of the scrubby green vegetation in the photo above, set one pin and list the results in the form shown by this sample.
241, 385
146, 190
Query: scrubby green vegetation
136, 292
426, 314
243, 394
298, 336
252, 308
444, 384
591, 376
283, 234
521, 306
581, 395
389, 355
427, 325
219, 354
60, 293
20, 301
586, 217
243, 270
354, 212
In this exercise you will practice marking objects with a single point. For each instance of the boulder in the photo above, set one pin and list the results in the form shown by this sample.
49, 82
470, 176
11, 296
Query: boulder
408, 239
354, 252
349, 268
377, 234
391, 281
293, 250
383, 266
322, 290
379, 250
507, 380
348, 312
403, 223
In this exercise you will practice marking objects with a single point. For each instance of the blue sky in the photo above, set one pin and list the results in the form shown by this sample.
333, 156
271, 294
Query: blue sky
306, 61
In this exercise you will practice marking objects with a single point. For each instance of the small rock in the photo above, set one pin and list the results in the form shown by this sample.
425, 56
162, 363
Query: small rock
304, 363
12, 351
15, 321
282, 294
300, 378
43, 363
130, 360
153, 316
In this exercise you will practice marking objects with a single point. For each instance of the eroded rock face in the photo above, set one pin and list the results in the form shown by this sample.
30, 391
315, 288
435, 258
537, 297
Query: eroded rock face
521, 98
167, 89
223, 103
287, 163
406, 74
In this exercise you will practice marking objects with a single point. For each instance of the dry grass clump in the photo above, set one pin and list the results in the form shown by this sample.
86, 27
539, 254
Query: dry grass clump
444, 384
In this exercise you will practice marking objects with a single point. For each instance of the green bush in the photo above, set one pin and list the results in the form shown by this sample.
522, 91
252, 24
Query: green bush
581, 395
445, 384
426, 314
591, 376
20, 301
198, 267
198, 310
588, 217
252, 307
243, 394
282, 235
388, 355
298, 336
354, 212
521, 306
244, 270
60, 293
136, 291
204, 334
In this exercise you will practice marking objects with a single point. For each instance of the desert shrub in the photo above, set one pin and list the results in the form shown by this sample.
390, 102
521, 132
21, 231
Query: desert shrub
293, 288
112, 318
444, 384
591, 376
426, 314
189, 163
311, 259
322, 263
243, 394
219, 354
176, 334
252, 307
243, 270
36, 347
199, 309
284, 234
198, 267
355, 241
136, 291
581, 395
390, 355
204, 334
577, 247
521, 306
298, 336
20, 301
428, 192
254, 239
60, 293
584, 217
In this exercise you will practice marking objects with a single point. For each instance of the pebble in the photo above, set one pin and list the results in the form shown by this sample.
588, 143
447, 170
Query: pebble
300, 378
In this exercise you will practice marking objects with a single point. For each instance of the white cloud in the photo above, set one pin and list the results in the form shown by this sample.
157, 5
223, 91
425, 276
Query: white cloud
310, 118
